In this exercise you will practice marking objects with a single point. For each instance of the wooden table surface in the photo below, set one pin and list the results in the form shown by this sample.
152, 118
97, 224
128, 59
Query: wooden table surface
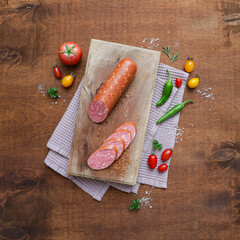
203, 196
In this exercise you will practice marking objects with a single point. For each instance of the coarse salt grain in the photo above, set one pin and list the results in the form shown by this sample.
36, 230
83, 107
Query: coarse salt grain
146, 200
205, 93
176, 44
151, 43
152, 40
179, 132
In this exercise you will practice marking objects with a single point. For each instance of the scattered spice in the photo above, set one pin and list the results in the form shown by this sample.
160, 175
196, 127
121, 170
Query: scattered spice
205, 93
151, 43
176, 44
146, 200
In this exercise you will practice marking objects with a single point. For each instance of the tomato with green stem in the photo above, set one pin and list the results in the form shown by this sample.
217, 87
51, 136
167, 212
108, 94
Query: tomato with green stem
178, 82
57, 71
163, 167
152, 161
68, 80
189, 65
193, 83
70, 53
166, 154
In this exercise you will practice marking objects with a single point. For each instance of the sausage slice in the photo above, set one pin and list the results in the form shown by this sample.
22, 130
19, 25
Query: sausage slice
119, 143
129, 126
124, 134
103, 157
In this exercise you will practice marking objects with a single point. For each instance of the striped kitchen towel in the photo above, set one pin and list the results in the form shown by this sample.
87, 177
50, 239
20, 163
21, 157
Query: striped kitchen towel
61, 139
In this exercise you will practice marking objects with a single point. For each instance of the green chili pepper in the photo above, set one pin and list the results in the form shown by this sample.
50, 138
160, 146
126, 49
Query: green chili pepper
166, 91
173, 111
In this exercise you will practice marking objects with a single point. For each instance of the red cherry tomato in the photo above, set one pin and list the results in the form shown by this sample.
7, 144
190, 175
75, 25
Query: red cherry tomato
152, 161
163, 167
57, 71
70, 53
178, 82
166, 154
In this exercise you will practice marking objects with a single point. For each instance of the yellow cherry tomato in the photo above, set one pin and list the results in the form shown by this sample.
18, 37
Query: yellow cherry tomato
68, 80
193, 83
189, 65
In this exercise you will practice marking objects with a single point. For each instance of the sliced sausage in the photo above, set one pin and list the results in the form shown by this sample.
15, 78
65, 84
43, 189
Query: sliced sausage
129, 126
112, 89
124, 134
103, 157
119, 143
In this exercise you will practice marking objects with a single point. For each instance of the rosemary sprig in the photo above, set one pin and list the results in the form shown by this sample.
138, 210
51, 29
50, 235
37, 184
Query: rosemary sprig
167, 51
174, 57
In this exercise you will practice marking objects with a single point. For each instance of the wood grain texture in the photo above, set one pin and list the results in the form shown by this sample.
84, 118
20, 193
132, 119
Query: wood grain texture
203, 196
133, 106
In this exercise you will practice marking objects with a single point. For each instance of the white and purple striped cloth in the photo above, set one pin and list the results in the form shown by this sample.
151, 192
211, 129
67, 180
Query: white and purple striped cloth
61, 139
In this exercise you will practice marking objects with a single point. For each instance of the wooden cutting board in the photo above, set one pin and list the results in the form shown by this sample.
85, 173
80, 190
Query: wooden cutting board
134, 105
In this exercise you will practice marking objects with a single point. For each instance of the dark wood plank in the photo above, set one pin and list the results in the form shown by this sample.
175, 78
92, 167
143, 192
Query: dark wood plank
203, 196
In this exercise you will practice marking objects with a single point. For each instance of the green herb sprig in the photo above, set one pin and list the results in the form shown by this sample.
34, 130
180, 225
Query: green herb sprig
135, 205
167, 51
156, 145
174, 57
53, 92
